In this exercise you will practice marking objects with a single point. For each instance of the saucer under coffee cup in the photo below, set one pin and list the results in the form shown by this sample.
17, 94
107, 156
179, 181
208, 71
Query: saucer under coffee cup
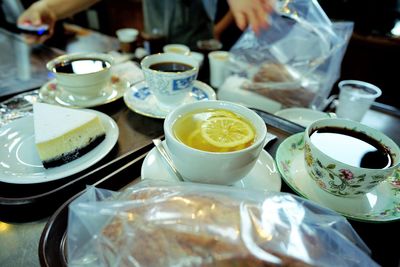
82, 75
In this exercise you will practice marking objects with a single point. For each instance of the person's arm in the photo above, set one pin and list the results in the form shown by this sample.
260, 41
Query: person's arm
49, 11
251, 12
223, 24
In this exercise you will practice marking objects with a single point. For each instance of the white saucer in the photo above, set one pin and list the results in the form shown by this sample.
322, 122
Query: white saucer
380, 205
303, 116
139, 98
19, 160
264, 175
53, 94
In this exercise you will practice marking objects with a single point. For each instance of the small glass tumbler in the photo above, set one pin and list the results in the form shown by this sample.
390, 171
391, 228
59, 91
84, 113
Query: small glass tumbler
355, 99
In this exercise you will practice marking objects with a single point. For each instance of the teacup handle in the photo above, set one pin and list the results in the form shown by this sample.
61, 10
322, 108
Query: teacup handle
331, 115
269, 137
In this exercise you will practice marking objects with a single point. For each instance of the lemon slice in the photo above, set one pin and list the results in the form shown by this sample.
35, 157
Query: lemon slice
226, 132
222, 113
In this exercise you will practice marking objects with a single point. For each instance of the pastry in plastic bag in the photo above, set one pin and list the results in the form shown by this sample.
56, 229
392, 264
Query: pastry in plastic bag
297, 59
274, 81
154, 224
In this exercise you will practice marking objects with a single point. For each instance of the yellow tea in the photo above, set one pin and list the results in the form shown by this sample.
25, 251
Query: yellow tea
214, 130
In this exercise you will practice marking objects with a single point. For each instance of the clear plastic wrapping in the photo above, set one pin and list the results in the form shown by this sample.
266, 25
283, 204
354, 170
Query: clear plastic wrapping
297, 59
184, 224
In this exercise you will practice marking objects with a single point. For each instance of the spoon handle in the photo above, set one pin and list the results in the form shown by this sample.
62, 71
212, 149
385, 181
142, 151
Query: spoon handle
166, 157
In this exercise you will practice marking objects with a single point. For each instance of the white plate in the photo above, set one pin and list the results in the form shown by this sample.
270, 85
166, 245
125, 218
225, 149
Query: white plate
20, 162
380, 205
139, 98
264, 175
303, 116
53, 94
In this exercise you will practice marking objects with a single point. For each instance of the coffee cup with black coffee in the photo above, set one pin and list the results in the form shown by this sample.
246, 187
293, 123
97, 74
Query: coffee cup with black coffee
83, 75
170, 77
348, 159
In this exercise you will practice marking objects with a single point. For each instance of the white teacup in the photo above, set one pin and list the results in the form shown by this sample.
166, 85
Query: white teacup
177, 49
82, 75
218, 67
127, 37
346, 166
170, 88
214, 167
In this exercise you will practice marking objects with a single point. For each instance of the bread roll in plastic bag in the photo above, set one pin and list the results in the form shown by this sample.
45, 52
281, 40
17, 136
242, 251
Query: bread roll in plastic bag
186, 224
297, 59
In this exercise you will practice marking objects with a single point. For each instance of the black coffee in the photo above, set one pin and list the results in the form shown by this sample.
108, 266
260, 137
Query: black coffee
170, 67
81, 66
351, 147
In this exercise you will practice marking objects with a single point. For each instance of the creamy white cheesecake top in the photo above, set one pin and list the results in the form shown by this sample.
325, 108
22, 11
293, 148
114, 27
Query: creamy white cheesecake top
52, 121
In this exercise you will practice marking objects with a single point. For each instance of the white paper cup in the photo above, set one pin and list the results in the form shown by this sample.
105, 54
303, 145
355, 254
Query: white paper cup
214, 167
218, 67
355, 99
169, 88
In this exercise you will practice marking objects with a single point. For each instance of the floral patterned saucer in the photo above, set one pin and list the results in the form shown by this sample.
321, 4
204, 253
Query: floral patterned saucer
380, 205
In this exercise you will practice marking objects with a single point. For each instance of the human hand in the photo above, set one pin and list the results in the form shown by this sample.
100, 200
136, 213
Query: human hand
38, 14
251, 12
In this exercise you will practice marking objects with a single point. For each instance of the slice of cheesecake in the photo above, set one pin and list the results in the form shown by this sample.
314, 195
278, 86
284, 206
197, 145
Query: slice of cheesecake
64, 134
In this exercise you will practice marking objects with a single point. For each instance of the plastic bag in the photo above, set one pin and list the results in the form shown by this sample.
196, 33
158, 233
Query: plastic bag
185, 224
297, 59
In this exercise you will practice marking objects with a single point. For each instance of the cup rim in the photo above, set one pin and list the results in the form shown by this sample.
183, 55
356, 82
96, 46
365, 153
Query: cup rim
127, 34
63, 58
218, 52
184, 47
383, 137
131, 30
376, 89
175, 57
172, 117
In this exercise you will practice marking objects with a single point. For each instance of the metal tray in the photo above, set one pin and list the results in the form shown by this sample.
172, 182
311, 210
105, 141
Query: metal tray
30, 202
52, 246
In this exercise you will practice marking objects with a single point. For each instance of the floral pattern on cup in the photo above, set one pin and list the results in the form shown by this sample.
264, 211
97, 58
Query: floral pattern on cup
388, 194
341, 179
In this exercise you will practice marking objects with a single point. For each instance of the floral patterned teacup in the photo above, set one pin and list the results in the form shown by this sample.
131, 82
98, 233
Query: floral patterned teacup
340, 178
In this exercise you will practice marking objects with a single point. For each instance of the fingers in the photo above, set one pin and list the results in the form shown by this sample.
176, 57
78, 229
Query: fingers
251, 12
37, 15
241, 21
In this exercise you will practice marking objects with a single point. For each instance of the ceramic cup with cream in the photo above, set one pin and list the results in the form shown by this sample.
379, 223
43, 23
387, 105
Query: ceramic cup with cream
177, 49
170, 77
82, 75
201, 154
348, 159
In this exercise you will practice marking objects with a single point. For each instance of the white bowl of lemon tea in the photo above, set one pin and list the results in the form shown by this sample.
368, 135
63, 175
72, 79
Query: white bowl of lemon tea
216, 142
